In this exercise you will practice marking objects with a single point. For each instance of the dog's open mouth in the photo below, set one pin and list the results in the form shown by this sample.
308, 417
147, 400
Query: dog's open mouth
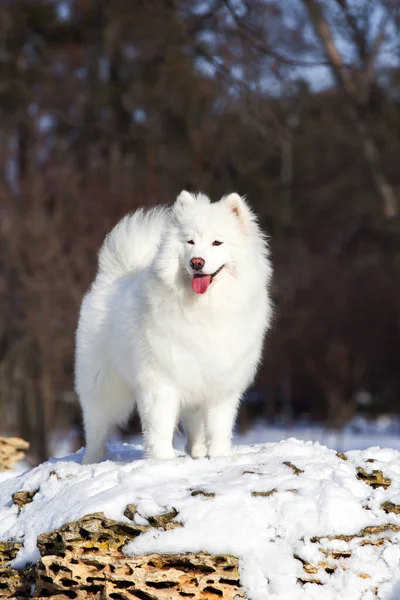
200, 282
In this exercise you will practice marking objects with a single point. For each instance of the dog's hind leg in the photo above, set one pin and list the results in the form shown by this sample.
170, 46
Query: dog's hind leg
193, 424
108, 403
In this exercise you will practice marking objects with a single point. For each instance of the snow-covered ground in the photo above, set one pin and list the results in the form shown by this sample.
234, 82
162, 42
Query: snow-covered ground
360, 433
255, 505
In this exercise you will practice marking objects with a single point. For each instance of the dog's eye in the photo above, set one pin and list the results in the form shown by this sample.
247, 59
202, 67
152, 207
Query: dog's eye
191, 242
217, 243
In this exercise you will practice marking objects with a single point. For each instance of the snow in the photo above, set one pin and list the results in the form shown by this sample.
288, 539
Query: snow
360, 433
271, 534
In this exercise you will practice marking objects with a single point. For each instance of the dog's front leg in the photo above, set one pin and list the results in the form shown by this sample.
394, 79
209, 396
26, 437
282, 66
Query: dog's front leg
158, 406
219, 421
193, 424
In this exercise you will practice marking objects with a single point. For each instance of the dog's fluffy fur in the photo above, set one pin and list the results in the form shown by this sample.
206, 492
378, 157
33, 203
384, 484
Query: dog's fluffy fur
149, 336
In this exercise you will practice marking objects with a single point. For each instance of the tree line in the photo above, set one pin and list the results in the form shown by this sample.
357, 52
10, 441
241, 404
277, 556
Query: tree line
107, 106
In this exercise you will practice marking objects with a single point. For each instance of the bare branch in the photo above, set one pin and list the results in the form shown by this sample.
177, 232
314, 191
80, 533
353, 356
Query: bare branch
359, 34
369, 67
265, 49
334, 57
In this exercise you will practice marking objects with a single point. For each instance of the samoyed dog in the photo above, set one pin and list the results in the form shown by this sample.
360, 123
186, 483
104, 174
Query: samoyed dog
174, 325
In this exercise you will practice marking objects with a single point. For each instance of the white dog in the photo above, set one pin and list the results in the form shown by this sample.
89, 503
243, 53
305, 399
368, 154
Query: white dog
174, 323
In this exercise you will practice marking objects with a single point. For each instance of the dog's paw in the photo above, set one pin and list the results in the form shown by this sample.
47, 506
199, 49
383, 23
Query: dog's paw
196, 451
219, 450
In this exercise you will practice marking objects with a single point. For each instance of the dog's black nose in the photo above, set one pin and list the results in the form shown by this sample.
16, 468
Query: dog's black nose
197, 263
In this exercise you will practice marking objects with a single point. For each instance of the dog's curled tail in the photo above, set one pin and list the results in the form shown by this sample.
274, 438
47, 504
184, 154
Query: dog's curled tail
132, 244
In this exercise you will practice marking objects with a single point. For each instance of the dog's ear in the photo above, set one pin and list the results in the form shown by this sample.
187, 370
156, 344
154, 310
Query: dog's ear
239, 208
184, 199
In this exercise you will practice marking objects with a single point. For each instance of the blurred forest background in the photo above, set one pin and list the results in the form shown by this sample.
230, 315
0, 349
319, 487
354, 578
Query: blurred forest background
110, 105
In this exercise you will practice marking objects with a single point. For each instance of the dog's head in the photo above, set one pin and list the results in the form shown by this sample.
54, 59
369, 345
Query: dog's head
212, 236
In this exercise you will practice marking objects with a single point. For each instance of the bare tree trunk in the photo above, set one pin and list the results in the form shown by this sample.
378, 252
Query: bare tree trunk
356, 98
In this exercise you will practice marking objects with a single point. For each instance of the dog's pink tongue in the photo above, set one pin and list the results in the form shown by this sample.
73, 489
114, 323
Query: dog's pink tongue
200, 283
